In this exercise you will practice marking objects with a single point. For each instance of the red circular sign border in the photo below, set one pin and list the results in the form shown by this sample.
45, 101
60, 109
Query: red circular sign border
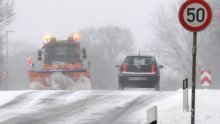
188, 27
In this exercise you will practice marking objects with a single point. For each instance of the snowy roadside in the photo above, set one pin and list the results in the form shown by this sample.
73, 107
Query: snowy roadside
170, 109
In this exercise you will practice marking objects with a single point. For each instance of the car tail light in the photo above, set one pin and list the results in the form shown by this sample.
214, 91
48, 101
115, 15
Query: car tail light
153, 69
124, 68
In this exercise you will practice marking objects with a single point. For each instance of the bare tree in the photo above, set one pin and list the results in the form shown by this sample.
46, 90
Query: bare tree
209, 47
6, 13
104, 46
6, 16
174, 43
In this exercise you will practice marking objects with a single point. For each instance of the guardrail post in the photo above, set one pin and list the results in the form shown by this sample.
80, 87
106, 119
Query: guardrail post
152, 115
185, 95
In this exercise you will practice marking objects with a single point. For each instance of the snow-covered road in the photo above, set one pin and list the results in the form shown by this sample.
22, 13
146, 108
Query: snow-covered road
81, 107
104, 107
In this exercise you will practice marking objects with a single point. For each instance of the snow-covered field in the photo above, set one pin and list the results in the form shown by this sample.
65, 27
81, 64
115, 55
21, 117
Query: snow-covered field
207, 108
104, 107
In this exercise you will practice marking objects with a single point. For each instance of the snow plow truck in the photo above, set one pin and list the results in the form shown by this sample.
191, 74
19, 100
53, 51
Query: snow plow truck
59, 57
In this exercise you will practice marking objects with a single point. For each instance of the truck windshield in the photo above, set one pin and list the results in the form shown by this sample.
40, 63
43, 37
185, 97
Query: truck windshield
62, 54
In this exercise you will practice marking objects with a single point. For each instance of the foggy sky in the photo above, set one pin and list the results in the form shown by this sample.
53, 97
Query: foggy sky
34, 18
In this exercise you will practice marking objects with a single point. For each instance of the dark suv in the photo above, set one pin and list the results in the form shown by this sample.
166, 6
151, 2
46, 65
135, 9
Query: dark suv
139, 71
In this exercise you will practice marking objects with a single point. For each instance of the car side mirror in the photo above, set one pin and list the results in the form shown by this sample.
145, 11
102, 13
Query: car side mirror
84, 53
160, 66
39, 55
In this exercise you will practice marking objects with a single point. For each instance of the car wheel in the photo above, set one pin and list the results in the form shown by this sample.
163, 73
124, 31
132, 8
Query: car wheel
121, 86
157, 87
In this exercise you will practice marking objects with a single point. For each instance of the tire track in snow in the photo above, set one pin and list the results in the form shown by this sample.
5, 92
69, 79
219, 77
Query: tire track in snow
113, 115
138, 110
47, 114
80, 111
27, 101
111, 112
18, 100
96, 107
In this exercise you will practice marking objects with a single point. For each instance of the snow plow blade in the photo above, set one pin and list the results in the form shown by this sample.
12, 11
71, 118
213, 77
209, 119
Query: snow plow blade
41, 75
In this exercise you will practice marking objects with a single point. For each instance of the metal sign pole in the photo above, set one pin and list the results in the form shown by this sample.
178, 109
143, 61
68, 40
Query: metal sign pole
194, 50
193, 20
6, 58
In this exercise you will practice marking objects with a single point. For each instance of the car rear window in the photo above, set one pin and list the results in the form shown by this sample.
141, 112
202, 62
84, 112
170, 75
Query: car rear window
139, 60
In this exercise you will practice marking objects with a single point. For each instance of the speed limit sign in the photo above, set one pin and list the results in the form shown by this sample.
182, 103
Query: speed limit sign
195, 15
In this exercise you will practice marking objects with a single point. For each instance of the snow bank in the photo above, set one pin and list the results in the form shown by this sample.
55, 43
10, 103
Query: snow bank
170, 110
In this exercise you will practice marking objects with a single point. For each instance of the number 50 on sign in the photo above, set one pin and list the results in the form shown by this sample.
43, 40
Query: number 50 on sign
195, 15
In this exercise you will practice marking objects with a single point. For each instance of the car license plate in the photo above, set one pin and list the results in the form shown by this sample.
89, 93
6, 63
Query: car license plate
137, 78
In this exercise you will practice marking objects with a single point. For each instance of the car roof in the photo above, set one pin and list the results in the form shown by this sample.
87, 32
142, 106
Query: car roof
141, 56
